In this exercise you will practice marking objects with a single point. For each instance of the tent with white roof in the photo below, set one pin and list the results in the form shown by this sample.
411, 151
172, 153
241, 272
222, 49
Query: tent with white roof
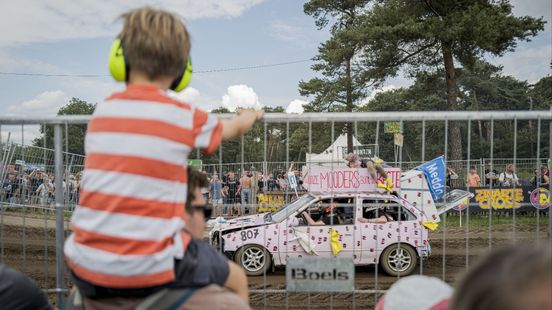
334, 153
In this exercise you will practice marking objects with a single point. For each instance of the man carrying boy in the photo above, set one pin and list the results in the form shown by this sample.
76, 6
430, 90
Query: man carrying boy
128, 238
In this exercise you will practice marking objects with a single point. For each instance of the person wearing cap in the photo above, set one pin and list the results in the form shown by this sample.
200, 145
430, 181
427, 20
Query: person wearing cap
416, 293
373, 165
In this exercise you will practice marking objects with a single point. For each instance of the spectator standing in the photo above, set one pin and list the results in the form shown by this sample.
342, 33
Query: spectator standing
540, 178
215, 191
283, 182
245, 192
35, 178
509, 177
225, 200
43, 192
260, 182
473, 178
491, 175
11, 188
271, 183
232, 185
75, 188
451, 175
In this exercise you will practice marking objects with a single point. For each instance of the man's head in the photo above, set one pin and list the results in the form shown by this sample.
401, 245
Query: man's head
215, 177
196, 205
516, 277
155, 43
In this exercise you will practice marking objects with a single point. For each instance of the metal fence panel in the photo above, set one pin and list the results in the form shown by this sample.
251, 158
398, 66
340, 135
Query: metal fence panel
33, 226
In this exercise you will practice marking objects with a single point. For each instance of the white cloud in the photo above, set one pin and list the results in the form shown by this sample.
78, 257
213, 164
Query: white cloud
527, 63
296, 106
47, 21
541, 8
377, 91
20, 135
299, 36
240, 96
45, 104
189, 95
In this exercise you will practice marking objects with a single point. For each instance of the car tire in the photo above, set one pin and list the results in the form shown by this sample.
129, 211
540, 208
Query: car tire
254, 259
398, 260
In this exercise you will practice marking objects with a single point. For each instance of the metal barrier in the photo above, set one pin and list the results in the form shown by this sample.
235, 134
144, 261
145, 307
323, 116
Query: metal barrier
453, 247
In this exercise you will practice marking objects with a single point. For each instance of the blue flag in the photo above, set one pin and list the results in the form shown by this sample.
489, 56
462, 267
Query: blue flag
434, 172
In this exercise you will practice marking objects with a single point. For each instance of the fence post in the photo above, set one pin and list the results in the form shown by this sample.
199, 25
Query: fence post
59, 213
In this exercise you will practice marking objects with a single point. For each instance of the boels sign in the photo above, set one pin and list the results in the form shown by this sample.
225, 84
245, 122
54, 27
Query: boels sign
320, 274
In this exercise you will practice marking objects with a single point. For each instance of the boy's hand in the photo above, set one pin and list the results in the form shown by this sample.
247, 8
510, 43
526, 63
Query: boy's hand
240, 124
258, 114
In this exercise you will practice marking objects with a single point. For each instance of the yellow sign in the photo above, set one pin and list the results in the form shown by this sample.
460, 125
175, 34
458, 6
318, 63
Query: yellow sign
270, 202
503, 198
392, 127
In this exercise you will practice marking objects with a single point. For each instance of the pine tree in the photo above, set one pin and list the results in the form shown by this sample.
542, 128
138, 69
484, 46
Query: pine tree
415, 36
341, 85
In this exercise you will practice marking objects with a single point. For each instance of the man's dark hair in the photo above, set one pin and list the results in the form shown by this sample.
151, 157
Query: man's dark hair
195, 179
501, 279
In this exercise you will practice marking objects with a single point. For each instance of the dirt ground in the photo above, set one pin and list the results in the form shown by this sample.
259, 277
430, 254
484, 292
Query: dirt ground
29, 245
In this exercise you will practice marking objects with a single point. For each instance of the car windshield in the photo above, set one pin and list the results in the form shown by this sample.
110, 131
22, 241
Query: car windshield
283, 213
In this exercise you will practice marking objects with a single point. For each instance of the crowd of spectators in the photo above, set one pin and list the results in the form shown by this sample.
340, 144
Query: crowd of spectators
37, 187
236, 195
492, 178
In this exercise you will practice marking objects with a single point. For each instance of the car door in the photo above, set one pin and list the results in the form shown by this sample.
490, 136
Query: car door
339, 215
375, 237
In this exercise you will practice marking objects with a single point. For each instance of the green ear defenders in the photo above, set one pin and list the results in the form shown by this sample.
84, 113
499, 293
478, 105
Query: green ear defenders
119, 68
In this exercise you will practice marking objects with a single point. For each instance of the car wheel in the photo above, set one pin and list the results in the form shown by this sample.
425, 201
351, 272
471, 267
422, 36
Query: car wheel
399, 260
254, 259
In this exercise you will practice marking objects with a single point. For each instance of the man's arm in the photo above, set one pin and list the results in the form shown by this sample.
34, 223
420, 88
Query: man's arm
237, 281
240, 124
311, 221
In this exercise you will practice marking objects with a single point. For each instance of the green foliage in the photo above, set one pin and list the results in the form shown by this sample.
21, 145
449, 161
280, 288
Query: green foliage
75, 133
340, 84
420, 36
483, 87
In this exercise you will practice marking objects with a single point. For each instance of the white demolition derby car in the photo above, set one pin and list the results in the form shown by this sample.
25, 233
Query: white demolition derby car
352, 221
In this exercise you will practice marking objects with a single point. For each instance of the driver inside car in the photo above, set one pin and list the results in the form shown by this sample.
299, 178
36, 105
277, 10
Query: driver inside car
380, 217
330, 216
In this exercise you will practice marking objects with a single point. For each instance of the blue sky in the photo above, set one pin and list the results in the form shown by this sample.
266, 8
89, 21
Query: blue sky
73, 37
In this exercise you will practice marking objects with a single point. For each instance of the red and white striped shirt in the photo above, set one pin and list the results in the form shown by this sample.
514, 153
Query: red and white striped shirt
127, 229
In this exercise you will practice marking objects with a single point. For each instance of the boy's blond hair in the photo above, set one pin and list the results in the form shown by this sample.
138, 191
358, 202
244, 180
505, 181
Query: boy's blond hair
155, 42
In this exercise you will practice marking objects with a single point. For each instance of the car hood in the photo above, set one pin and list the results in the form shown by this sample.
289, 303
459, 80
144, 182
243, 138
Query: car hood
220, 223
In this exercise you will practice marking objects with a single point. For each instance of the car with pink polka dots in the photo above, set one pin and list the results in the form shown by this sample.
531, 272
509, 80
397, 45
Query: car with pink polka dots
353, 224
368, 227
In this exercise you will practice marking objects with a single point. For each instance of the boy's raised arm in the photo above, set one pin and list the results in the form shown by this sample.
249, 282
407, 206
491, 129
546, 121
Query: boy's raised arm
240, 124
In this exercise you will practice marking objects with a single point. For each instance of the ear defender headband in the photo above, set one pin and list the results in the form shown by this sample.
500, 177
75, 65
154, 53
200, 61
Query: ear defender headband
119, 68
